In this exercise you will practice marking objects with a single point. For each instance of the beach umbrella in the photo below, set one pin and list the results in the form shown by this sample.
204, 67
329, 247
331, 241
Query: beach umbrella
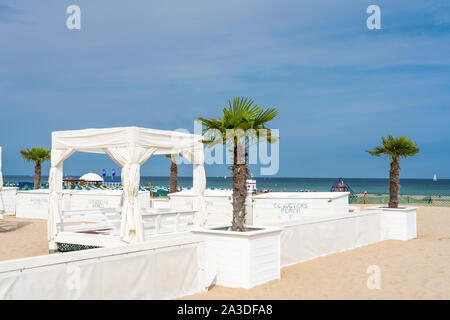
91, 177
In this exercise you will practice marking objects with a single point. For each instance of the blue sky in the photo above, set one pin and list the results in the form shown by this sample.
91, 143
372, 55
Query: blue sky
338, 86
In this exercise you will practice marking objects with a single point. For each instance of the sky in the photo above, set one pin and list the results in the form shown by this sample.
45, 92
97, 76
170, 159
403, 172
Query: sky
339, 87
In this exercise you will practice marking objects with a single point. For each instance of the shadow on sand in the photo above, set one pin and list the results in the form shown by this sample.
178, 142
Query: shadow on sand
7, 226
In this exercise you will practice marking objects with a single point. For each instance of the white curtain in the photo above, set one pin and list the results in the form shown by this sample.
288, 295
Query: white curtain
55, 185
2, 207
130, 159
196, 156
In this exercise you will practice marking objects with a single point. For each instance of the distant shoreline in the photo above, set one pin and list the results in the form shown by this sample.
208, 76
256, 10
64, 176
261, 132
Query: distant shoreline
374, 186
229, 177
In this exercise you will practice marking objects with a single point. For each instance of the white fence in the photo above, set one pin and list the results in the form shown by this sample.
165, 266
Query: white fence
174, 264
306, 240
164, 221
159, 203
101, 227
8, 195
218, 204
34, 203
269, 208
90, 220
277, 207
157, 270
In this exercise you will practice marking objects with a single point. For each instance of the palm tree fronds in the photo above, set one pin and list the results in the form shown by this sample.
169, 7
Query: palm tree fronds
37, 155
395, 147
241, 114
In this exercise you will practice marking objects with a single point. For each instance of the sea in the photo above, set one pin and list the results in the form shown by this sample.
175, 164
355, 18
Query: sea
358, 185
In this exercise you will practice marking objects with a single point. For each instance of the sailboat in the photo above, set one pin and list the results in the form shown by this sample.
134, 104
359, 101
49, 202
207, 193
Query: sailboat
435, 177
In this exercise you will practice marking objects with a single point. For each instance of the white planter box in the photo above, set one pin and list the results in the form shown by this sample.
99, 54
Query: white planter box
243, 259
399, 223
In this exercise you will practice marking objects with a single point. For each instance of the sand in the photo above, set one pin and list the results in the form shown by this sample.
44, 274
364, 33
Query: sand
21, 238
415, 269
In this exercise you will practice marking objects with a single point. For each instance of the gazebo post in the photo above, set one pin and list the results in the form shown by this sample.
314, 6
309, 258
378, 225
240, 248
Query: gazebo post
56, 187
52, 247
55, 183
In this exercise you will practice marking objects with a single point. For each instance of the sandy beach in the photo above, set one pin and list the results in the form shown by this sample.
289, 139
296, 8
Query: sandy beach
21, 238
415, 269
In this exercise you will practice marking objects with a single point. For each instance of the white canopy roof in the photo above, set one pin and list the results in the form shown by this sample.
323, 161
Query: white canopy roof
97, 140
129, 147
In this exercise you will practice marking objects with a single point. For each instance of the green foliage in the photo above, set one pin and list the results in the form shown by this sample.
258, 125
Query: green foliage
241, 114
395, 147
36, 155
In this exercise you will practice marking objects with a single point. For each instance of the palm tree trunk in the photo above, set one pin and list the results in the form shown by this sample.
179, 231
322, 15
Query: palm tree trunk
394, 183
240, 176
173, 177
37, 175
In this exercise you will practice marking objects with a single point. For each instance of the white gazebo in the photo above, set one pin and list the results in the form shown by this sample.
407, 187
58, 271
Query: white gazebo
129, 147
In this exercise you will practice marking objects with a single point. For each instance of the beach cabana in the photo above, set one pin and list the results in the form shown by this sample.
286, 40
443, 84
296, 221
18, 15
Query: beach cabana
129, 147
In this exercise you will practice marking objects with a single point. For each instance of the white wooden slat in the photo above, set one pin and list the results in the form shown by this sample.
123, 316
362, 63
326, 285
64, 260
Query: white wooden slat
91, 211
158, 223
87, 216
88, 227
149, 225
177, 220
91, 219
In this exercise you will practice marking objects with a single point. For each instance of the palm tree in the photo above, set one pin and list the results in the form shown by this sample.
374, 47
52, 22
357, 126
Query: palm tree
395, 148
38, 156
173, 174
241, 116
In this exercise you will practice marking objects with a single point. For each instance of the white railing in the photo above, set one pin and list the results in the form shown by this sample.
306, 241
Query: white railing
90, 220
98, 222
163, 221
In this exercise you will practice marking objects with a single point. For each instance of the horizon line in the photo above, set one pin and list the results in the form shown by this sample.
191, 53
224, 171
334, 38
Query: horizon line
254, 177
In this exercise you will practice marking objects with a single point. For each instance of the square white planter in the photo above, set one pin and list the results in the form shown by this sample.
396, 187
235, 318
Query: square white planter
399, 223
242, 259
